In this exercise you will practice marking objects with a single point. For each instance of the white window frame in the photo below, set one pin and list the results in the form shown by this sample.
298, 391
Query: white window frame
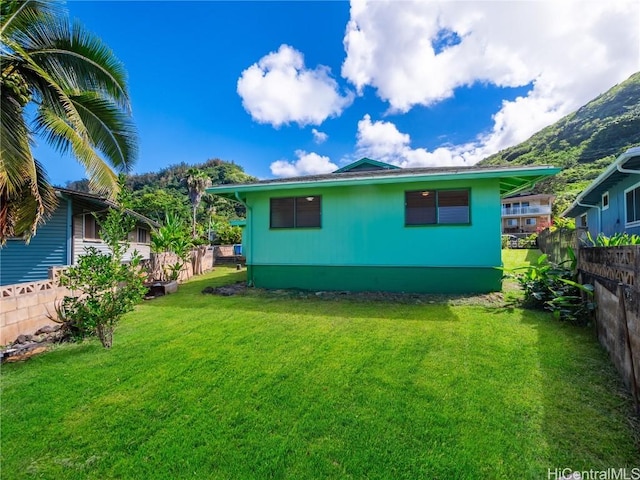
605, 195
530, 222
584, 223
512, 222
624, 199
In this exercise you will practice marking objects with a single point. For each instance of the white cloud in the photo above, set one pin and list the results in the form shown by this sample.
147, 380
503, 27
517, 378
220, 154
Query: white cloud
319, 137
306, 164
569, 52
383, 141
279, 89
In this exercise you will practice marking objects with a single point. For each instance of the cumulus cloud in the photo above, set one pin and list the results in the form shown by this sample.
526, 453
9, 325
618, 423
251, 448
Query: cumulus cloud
307, 164
383, 141
279, 89
318, 136
419, 53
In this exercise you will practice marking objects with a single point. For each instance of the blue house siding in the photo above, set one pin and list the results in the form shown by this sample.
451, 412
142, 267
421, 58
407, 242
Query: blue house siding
613, 219
20, 262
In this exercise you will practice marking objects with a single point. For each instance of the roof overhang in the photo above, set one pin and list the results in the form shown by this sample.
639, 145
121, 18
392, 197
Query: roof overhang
103, 203
511, 179
625, 165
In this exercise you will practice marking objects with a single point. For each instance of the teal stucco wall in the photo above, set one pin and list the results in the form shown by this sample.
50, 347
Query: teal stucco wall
363, 230
20, 262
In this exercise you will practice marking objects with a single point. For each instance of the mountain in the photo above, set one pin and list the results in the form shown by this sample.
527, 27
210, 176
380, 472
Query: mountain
583, 143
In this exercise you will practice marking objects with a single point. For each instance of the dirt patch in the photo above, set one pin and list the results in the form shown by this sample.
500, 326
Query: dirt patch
237, 288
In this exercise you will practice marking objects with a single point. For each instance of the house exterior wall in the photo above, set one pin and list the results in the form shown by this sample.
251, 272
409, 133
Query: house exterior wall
21, 262
538, 208
351, 249
80, 244
613, 219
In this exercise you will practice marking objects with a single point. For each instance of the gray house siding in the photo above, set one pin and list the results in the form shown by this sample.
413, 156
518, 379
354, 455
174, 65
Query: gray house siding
20, 262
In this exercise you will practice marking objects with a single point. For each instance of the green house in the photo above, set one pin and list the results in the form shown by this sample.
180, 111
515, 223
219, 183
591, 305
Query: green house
371, 226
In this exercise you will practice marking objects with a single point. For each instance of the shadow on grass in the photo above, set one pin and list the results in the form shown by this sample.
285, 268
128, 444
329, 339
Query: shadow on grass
532, 255
305, 303
586, 405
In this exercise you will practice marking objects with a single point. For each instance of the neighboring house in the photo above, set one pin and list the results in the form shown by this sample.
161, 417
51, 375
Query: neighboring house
526, 213
611, 203
64, 237
374, 227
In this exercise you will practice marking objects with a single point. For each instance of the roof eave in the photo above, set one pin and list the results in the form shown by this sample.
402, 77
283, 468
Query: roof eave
576, 209
528, 176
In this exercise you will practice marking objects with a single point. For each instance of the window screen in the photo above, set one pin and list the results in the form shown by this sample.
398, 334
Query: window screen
430, 207
296, 212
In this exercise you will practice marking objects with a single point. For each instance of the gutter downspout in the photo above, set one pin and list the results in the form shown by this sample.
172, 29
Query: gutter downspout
579, 203
69, 229
249, 255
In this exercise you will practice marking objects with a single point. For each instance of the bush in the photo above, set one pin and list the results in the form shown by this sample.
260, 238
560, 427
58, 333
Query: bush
105, 288
554, 287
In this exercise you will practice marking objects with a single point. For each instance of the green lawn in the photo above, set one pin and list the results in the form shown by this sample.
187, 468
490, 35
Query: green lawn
278, 385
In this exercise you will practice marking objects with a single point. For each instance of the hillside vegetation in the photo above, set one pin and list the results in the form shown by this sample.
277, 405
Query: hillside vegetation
166, 190
583, 143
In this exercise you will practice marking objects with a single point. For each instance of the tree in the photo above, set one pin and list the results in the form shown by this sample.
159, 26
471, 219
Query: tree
197, 182
105, 286
78, 90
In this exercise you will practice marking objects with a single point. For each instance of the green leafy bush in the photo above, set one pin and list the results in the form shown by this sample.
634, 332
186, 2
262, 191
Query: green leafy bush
554, 287
104, 288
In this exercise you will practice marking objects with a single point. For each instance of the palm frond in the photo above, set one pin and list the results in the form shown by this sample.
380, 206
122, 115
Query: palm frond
16, 15
60, 134
110, 130
76, 59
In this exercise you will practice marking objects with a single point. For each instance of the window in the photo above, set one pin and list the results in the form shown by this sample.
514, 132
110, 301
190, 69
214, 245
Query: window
143, 235
437, 207
605, 200
632, 204
91, 228
583, 220
530, 221
296, 212
512, 222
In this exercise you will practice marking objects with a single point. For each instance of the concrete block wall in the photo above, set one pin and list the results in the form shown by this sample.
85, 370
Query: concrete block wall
25, 307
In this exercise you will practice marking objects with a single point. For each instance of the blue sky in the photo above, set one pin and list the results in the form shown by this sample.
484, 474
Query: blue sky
290, 88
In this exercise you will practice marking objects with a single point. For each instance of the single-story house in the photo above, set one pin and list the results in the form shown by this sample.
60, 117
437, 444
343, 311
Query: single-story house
371, 226
611, 203
63, 238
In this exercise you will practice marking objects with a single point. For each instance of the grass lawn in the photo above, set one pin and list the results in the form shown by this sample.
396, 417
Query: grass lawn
274, 385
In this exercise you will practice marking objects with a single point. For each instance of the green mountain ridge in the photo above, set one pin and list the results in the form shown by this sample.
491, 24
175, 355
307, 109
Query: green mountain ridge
582, 143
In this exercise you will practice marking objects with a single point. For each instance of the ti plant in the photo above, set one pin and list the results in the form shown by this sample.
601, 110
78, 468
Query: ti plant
554, 287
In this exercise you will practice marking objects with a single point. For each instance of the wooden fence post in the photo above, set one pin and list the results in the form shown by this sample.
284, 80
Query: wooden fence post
623, 307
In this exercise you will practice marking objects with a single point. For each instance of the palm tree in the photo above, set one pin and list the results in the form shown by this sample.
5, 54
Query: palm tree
197, 182
80, 104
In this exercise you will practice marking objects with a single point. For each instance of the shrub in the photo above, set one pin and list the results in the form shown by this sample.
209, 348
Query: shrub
105, 288
554, 287
615, 240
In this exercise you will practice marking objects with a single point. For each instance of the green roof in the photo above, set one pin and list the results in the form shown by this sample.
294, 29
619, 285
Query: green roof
512, 179
366, 164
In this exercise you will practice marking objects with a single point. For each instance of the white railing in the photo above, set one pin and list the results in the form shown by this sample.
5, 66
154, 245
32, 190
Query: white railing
534, 210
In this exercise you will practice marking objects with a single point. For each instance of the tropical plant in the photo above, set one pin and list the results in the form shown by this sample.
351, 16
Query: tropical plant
105, 287
562, 223
172, 237
615, 240
554, 287
78, 90
197, 181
